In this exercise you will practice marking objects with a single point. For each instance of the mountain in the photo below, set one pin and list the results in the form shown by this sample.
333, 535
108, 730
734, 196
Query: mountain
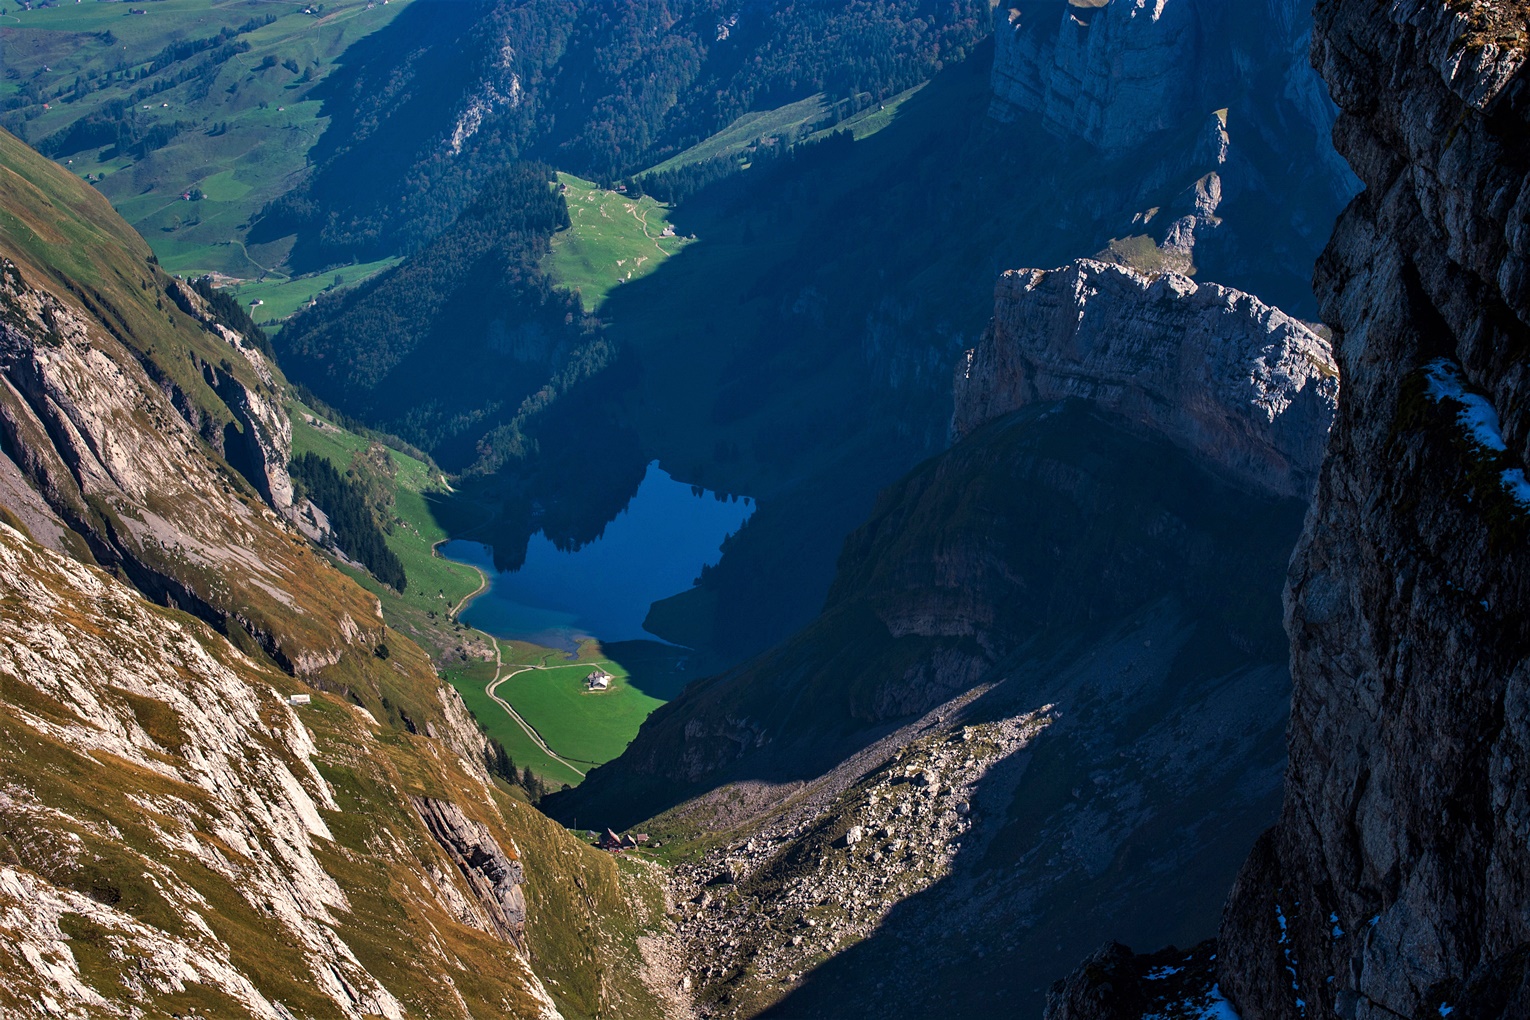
1002, 539
1393, 883
426, 110
1128, 76
799, 349
229, 788
448, 349
1250, 390
1041, 639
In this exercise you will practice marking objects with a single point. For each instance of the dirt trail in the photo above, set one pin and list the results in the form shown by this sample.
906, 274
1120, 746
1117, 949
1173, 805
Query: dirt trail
530, 730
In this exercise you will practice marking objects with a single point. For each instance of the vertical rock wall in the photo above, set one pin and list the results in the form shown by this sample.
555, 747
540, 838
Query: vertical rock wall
1397, 880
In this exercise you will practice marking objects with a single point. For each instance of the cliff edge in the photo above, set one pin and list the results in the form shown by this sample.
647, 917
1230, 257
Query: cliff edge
1245, 387
1396, 881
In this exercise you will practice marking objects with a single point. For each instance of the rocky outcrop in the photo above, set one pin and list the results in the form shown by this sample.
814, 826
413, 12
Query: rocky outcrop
113, 414
1395, 882
1213, 113
261, 444
494, 878
165, 807
1397, 878
111, 456
1242, 385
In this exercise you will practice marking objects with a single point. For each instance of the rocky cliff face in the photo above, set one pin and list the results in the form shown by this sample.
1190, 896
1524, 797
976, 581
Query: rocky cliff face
180, 833
1040, 640
494, 878
1110, 73
1242, 385
1213, 111
260, 445
172, 830
1117, 72
122, 418
1395, 882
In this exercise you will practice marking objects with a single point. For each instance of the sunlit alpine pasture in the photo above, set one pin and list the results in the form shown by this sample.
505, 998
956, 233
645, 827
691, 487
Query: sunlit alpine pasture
612, 240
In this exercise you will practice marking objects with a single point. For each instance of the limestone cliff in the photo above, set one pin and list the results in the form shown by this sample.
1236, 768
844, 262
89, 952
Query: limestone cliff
177, 836
1242, 385
122, 419
1211, 110
1395, 882
1111, 73
261, 444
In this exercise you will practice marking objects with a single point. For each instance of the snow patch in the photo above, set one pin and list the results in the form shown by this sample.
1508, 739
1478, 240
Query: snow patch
1444, 381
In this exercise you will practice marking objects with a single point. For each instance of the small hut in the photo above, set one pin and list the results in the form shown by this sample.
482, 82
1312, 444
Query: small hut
599, 680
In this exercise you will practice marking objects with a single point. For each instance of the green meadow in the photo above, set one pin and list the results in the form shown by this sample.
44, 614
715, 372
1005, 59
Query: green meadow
547, 687
280, 297
435, 585
612, 239
470, 681
803, 121
587, 727
744, 133
240, 125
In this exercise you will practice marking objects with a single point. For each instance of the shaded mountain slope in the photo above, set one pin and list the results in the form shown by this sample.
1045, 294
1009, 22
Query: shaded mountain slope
445, 350
1033, 525
429, 108
1051, 522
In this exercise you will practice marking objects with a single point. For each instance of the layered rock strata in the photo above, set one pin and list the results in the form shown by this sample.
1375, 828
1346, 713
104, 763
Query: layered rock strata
1245, 387
1110, 73
170, 833
493, 877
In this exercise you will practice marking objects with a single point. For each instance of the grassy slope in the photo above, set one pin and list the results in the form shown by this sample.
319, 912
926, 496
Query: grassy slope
805, 120
60, 230
54, 224
435, 585
590, 728
377, 853
470, 681
749, 129
270, 126
612, 239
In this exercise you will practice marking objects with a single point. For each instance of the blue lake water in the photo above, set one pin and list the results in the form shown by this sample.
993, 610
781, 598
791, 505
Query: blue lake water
653, 549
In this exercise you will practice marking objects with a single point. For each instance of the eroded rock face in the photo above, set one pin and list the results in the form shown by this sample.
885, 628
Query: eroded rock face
493, 877
262, 445
1244, 386
1400, 871
1111, 74
163, 806
111, 456
1396, 881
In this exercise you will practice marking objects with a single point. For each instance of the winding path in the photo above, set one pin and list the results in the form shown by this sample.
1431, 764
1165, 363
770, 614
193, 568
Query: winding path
530, 730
